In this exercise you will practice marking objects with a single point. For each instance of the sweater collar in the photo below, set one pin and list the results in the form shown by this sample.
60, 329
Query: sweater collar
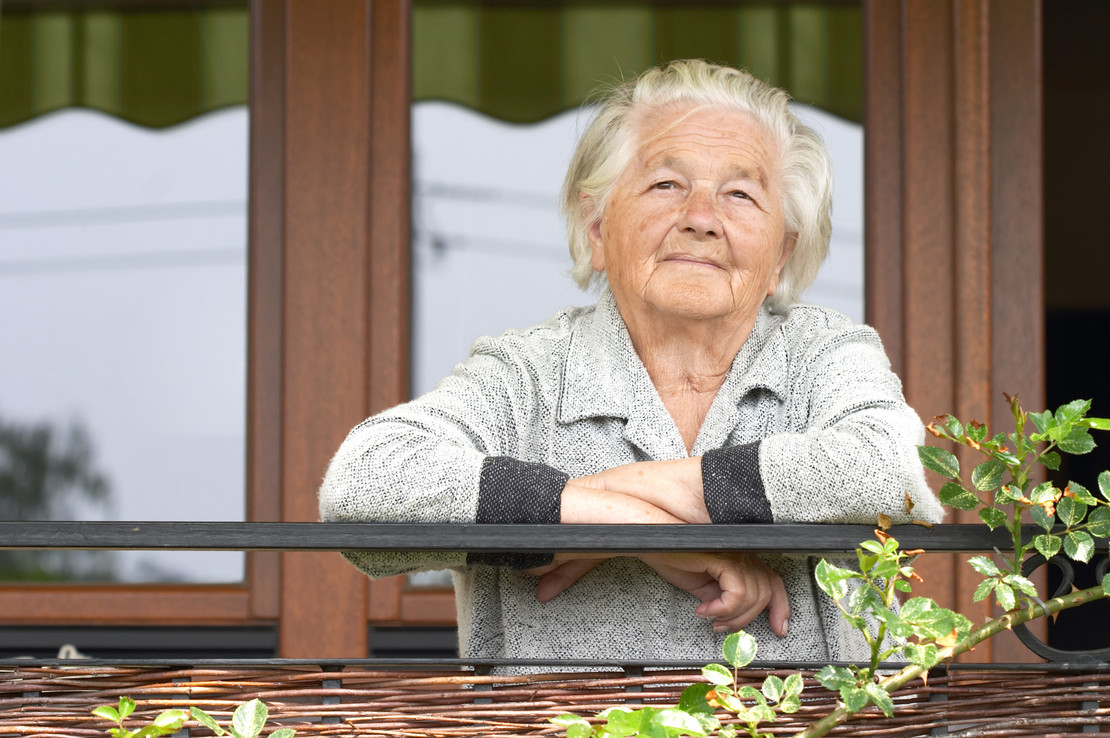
604, 377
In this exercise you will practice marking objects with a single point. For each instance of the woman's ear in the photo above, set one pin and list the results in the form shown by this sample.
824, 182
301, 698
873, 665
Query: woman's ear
788, 243
593, 231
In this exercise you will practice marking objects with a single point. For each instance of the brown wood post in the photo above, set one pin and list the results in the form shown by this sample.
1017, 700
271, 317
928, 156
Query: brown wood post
329, 228
954, 222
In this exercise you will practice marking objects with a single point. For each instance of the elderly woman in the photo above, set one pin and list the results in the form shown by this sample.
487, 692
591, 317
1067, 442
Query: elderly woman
696, 390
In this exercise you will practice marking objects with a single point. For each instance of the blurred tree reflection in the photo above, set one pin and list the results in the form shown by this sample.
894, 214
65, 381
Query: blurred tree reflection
48, 473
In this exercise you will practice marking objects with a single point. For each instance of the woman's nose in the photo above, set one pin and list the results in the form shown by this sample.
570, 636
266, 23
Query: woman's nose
700, 218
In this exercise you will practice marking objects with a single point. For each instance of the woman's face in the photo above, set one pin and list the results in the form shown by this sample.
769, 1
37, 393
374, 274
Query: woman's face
694, 228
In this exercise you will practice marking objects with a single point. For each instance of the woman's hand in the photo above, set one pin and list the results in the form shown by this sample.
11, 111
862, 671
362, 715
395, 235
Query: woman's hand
733, 588
674, 487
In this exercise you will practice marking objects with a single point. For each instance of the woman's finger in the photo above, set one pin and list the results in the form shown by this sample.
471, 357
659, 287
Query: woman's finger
557, 581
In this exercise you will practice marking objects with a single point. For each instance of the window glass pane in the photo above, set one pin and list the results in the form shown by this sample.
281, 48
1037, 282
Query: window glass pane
123, 185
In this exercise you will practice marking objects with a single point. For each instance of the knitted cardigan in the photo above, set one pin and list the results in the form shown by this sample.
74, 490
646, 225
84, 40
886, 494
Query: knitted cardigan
810, 426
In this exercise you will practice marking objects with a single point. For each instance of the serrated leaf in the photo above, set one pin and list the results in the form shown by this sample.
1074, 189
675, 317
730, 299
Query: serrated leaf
1082, 493
170, 721
126, 707
749, 692
1050, 460
290, 733
1020, 583
727, 731
790, 704
739, 649
206, 720
854, 699
772, 688
985, 587
107, 712
717, 674
1104, 484
678, 720
881, 698
988, 475
763, 714
793, 685
1047, 545
993, 517
1078, 442
976, 431
1043, 492
695, 698
953, 426
903, 586
941, 461
1042, 420
1098, 522
1005, 596
1070, 511
954, 495
1098, 423
926, 656
984, 566
1079, 546
1042, 518
1072, 411
831, 579
834, 678
249, 718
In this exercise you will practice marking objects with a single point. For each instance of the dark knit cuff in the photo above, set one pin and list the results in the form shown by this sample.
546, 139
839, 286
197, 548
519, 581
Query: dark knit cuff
514, 491
733, 485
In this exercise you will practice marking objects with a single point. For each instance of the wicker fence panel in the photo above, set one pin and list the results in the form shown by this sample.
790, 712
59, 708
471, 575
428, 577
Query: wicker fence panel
40, 701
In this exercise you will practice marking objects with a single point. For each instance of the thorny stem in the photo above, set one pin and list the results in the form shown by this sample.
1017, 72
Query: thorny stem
990, 628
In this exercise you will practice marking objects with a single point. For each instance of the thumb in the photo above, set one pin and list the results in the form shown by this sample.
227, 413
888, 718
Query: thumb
778, 612
555, 582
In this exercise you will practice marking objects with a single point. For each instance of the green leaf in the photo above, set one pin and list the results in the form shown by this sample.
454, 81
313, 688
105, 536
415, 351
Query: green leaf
1005, 596
717, 674
831, 578
1042, 518
695, 698
577, 727
749, 692
1104, 484
1050, 460
941, 461
169, 721
984, 566
249, 718
926, 656
290, 733
881, 698
985, 587
772, 688
126, 707
953, 426
835, 678
727, 731
903, 586
107, 712
790, 704
1079, 546
206, 720
1021, 583
793, 685
1098, 423
993, 517
1073, 411
1082, 493
976, 431
988, 475
1043, 420
1098, 522
1047, 545
739, 649
1043, 492
1077, 442
1070, 511
1007, 494
855, 699
954, 495
677, 720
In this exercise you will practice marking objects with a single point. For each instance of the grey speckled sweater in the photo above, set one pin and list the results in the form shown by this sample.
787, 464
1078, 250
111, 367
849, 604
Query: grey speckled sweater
810, 426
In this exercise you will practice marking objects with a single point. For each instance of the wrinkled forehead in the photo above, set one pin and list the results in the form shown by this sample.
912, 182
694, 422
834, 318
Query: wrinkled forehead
653, 132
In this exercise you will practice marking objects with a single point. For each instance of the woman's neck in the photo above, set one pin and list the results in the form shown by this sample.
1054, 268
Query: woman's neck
688, 362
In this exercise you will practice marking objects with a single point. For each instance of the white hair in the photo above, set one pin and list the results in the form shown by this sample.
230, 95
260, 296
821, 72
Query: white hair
607, 147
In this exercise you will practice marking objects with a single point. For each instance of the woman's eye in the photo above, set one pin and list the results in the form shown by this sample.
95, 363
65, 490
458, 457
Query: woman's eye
741, 195
667, 185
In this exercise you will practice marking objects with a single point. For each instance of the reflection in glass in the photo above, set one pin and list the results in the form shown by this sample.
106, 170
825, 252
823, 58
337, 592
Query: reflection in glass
123, 279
